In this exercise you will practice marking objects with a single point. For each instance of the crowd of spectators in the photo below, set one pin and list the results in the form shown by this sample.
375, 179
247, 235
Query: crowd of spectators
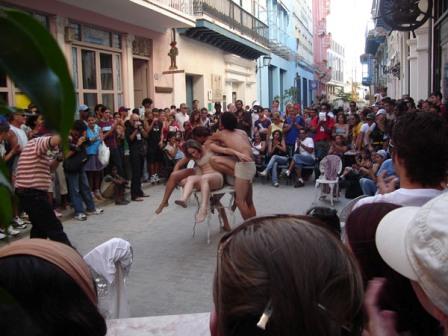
275, 275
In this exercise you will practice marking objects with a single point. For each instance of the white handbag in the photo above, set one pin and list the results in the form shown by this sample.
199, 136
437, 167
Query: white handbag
103, 154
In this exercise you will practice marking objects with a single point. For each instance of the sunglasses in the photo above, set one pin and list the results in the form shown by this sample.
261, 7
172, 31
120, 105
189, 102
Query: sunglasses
353, 328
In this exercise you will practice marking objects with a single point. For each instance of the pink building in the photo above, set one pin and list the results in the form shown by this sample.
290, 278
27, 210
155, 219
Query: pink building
321, 44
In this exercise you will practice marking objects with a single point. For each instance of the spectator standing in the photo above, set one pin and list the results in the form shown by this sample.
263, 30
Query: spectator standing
136, 137
244, 118
146, 104
276, 125
353, 108
205, 120
195, 118
153, 128
275, 107
32, 182
93, 166
366, 129
354, 122
293, 124
16, 121
98, 111
323, 126
378, 136
420, 161
437, 99
108, 127
78, 184
182, 116
261, 126
84, 113
195, 105
341, 127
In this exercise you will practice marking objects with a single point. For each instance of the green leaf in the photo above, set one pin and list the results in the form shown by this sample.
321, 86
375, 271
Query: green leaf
36, 64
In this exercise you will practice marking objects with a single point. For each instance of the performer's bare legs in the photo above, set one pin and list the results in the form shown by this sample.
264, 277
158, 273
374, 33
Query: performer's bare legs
204, 183
191, 183
175, 178
243, 188
208, 182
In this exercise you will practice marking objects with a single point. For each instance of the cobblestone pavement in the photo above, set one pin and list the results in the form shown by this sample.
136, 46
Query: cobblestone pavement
172, 271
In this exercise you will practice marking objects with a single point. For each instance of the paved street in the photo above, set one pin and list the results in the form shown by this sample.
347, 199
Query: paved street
172, 272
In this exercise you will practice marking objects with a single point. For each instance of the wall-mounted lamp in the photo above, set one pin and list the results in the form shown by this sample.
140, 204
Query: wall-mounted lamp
266, 60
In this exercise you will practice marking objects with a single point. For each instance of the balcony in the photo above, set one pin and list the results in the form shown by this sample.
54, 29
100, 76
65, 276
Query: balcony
156, 15
279, 42
227, 26
234, 16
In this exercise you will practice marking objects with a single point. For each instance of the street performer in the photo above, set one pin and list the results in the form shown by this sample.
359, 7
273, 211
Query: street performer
234, 158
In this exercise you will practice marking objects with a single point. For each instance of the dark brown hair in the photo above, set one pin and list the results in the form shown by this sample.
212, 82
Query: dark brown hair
191, 144
420, 139
307, 275
398, 294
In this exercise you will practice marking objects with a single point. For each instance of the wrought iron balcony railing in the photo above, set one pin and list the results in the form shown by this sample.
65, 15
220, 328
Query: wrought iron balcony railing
234, 16
184, 6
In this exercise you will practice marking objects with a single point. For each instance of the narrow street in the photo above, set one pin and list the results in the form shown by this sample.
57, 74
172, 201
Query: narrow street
172, 271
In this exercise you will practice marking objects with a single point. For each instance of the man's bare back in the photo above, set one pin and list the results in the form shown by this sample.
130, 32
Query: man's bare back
236, 140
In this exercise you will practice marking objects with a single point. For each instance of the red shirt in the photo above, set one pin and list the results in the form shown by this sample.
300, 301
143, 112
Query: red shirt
321, 134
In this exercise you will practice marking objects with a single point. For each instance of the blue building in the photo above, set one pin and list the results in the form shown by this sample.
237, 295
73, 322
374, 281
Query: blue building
303, 26
277, 73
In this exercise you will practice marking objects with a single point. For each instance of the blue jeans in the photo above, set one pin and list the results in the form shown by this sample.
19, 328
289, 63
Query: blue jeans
303, 160
368, 186
79, 191
273, 164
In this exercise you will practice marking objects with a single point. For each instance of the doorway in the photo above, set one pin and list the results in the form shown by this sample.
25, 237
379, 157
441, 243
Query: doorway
141, 80
189, 83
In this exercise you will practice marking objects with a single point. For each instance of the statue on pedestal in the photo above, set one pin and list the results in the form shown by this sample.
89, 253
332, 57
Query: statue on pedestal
173, 54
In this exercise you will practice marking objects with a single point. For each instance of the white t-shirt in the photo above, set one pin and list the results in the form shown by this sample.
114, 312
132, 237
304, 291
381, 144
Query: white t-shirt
366, 130
308, 142
22, 139
181, 118
403, 197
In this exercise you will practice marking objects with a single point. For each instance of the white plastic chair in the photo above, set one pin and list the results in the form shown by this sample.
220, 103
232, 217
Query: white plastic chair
110, 264
322, 181
213, 206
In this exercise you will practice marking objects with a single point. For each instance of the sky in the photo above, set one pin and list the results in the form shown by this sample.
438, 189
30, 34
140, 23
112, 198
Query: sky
348, 23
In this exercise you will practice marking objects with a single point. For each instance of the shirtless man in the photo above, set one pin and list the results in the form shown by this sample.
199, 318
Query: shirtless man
236, 160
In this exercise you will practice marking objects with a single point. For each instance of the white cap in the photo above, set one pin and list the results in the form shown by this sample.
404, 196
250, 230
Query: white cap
414, 242
381, 111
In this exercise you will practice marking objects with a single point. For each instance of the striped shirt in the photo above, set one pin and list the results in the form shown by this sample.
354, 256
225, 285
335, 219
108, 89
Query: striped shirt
33, 168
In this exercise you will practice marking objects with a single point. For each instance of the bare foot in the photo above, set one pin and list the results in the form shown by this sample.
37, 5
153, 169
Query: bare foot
160, 208
181, 203
201, 215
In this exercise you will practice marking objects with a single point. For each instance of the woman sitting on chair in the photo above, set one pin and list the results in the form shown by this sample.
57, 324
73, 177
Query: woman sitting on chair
278, 154
207, 179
